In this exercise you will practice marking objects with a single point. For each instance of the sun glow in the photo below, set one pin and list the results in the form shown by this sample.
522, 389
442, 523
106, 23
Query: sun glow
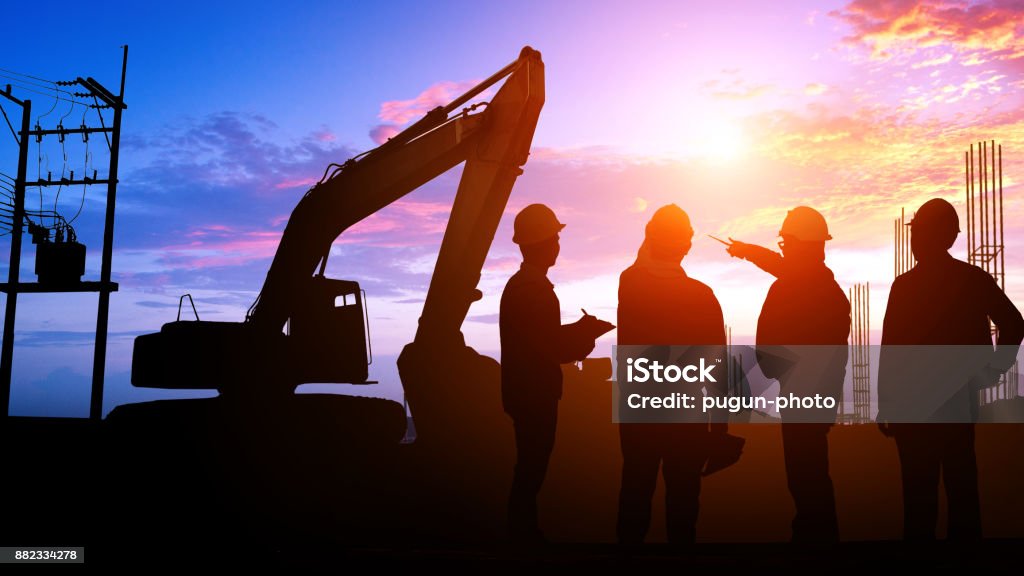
725, 143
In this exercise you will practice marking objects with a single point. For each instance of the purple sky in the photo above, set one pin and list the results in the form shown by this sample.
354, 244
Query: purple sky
735, 111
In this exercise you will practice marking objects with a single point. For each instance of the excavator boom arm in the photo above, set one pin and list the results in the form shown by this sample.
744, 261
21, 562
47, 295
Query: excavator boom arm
494, 144
493, 164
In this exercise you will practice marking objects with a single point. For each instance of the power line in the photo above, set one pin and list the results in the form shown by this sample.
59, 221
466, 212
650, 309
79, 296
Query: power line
13, 133
48, 85
81, 205
27, 75
102, 124
35, 91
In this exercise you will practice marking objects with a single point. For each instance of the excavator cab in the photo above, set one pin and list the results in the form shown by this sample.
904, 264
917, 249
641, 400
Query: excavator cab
327, 333
324, 341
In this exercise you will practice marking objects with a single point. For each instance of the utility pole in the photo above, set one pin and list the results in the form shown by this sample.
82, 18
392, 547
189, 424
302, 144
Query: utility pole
60, 263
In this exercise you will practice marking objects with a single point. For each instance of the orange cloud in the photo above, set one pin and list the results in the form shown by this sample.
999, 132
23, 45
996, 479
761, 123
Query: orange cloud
860, 167
815, 89
897, 27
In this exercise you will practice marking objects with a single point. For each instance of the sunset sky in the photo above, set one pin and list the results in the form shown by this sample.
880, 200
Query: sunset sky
736, 111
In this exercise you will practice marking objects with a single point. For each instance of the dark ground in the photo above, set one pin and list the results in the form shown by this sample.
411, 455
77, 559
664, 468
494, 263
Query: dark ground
62, 488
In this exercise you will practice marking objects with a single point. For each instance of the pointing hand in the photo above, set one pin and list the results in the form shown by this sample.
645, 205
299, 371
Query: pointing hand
738, 249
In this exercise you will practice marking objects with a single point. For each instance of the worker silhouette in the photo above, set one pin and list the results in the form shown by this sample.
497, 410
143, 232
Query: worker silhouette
533, 345
944, 302
802, 335
660, 305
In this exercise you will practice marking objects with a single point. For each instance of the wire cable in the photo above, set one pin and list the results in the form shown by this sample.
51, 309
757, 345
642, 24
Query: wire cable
52, 108
35, 91
102, 124
47, 86
27, 75
88, 156
63, 169
13, 133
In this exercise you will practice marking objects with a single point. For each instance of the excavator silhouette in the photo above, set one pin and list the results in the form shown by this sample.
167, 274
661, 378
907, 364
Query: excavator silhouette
306, 328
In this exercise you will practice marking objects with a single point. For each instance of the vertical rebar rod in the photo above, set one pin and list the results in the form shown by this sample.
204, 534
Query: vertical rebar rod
994, 220
867, 350
1002, 237
984, 205
974, 214
968, 200
979, 232
857, 335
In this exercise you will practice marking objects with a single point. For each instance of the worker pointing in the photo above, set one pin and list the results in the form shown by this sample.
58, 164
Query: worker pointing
534, 344
802, 335
802, 224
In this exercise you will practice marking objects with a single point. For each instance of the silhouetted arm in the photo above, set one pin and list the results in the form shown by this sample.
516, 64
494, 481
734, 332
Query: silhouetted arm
892, 334
765, 259
1008, 319
541, 330
768, 351
573, 343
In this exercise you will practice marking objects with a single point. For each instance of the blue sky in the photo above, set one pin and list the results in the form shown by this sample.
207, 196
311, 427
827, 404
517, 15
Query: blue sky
734, 110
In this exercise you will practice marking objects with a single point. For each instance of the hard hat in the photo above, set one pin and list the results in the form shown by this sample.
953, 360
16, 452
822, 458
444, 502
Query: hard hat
806, 224
936, 215
535, 223
670, 222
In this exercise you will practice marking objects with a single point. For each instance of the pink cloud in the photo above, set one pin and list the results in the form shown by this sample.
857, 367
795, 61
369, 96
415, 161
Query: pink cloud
404, 223
403, 111
220, 246
502, 265
423, 209
595, 154
397, 113
295, 183
208, 230
383, 132
324, 135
